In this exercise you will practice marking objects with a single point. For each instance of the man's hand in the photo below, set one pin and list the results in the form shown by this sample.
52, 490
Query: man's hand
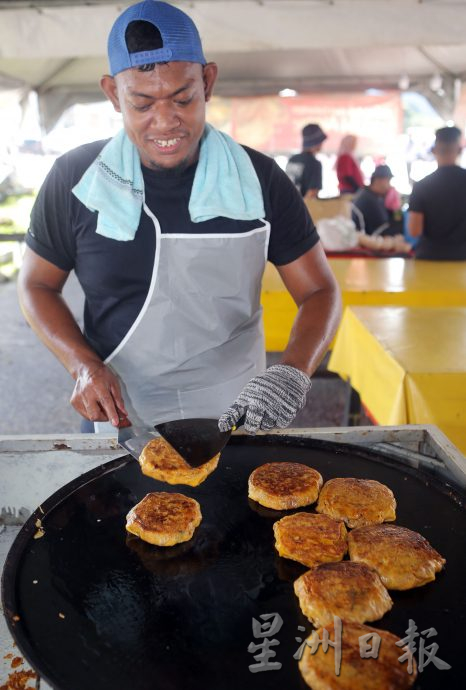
97, 395
272, 399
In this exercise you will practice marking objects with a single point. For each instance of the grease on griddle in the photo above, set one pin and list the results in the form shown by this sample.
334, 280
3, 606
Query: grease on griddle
19, 680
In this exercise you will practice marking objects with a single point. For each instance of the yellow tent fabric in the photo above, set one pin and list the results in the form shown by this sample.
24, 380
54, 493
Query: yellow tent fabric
407, 364
398, 282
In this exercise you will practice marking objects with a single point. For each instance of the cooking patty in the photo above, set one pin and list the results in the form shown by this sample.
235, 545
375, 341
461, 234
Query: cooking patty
358, 502
161, 461
357, 673
403, 558
284, 485
351, 591
164, 519
310, 539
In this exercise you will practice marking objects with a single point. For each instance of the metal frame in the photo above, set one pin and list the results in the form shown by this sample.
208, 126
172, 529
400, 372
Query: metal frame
416, 445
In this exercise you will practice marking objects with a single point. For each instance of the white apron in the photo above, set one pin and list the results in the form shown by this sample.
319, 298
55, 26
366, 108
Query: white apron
198, 338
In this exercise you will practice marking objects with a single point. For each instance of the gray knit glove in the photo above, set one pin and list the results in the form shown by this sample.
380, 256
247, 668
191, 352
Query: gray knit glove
272, 399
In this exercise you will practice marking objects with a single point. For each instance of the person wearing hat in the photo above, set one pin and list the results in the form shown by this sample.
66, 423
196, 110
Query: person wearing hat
437, 206
370, 203
168, 227
304, 169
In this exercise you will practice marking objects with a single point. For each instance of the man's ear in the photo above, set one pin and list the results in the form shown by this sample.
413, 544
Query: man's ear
109, 87
209, 74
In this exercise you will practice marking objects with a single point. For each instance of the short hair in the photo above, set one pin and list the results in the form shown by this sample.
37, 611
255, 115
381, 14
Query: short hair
448, 135
381, 172
140, 36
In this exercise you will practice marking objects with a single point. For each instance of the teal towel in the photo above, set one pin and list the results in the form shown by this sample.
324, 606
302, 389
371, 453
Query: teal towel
225, 184
113, 185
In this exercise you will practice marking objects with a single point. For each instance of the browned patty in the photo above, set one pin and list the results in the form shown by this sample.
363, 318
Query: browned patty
161, 461
351, 591
310, 539
164, 518
357, 501
403, 558
284, 485
356, 673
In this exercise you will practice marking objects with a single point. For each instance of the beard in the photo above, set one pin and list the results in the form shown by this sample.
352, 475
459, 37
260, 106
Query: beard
172, 171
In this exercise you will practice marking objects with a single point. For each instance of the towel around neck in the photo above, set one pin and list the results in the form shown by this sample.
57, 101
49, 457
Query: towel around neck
225, 184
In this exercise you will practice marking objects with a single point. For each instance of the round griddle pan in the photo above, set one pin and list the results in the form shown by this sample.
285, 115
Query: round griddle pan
92, 607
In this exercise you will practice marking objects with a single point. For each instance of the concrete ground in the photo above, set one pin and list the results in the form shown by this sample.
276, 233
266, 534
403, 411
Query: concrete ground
35, 389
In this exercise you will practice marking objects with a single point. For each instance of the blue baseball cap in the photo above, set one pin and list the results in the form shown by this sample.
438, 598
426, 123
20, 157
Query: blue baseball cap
180, 37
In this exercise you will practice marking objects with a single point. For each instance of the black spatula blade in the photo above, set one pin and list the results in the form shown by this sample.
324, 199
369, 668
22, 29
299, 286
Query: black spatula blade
196, 440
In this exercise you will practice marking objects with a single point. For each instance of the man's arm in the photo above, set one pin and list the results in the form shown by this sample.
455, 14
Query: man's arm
96, 394
313, 287
415, 223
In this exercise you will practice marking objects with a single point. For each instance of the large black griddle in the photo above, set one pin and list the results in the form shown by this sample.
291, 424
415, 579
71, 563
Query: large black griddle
145, 618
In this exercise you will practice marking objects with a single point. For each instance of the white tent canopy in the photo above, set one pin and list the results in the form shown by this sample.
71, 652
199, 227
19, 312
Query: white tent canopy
58, 47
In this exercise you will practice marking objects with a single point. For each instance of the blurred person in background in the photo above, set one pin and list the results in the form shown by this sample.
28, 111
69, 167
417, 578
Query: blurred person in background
349, 174
437, 206
392, 200
370, 201
304, 169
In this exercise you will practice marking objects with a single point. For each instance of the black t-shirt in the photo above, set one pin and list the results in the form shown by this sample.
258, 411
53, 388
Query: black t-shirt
372, 208
441, 198
305, 171
115, 275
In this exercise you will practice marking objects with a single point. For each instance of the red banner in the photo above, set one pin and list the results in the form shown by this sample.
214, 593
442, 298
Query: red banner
273, 125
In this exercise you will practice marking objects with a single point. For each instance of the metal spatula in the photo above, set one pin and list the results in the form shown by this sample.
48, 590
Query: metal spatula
134, 439
196, 440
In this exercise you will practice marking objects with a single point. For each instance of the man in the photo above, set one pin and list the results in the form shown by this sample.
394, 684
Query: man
371, 213
172, 320
304, 169
437, 207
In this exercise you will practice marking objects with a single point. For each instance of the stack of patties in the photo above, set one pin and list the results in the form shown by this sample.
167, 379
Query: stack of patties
304, 537
161, 461
382, 556
347, 590
402, 558
355, 592
166, 519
